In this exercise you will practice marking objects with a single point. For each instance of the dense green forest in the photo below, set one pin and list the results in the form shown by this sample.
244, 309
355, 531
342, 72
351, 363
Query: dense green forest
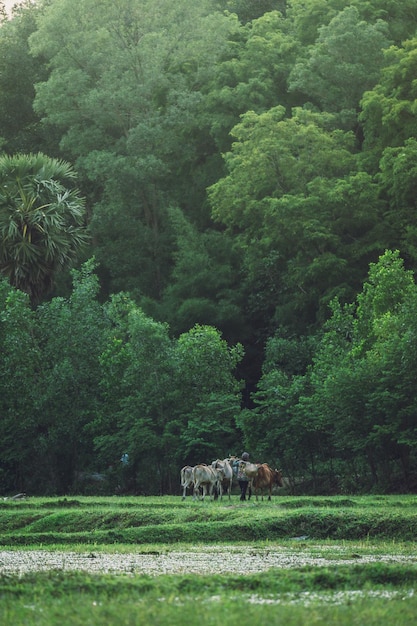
208, 242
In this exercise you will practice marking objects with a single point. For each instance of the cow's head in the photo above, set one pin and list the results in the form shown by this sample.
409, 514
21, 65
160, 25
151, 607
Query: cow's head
219, 474
278, 478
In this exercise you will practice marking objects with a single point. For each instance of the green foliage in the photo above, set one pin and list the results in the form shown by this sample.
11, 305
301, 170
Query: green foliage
205, 378
41, 221
289, 195
355, 403
164, 401
124, 121
20, 127
389, 110
308, 16
397, 179
290, 435
255, 78
369, 388
72, 334
251, 101
136, 371
248, 10
345, 61
203, 288
19, 378
273, 158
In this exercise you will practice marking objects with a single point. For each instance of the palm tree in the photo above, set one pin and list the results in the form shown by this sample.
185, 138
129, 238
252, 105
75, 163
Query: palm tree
42, 221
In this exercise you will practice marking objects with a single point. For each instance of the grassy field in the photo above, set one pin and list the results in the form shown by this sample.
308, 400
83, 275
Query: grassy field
369, 575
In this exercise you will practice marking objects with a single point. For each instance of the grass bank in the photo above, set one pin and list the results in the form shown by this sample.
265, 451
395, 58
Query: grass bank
169, 520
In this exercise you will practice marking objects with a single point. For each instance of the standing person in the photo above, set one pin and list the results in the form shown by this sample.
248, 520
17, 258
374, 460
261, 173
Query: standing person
242, 479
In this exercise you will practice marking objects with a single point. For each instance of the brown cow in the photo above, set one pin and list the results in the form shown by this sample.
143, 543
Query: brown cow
266, 478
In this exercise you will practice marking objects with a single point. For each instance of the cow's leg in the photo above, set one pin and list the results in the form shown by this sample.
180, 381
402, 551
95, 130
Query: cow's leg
216, 486
220, 488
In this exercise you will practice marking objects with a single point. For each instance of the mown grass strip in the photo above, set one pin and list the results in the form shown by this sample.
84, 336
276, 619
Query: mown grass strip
56, 583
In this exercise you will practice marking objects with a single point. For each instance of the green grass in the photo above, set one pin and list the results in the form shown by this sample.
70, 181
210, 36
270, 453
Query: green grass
292, 598
230, 611
169, 520
358, 592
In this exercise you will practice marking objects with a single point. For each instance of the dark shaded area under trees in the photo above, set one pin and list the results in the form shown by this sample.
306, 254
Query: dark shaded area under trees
241, 207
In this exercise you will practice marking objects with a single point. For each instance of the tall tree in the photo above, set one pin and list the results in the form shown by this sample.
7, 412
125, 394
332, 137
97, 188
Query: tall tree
389, 110
42, 221
397, 182
308, 16
277, 199
72, 333
255, 77
344, 62
137, 392
293, 438
363, 372
248, 10
20, 363
20, 127
204, 285
205, 378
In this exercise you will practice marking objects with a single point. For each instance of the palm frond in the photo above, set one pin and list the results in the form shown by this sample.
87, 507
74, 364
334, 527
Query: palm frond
42, 220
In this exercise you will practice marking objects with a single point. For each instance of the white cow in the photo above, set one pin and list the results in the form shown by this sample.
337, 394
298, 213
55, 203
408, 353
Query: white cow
228, 475
186, 479
207, 477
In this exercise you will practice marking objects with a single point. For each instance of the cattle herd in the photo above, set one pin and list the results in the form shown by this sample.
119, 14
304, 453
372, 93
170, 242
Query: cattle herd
218, 477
